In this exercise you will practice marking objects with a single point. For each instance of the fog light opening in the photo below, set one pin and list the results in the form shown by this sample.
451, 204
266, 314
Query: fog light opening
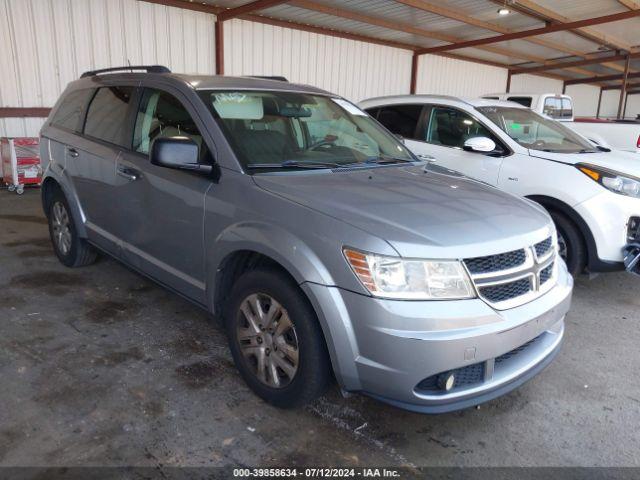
446, 381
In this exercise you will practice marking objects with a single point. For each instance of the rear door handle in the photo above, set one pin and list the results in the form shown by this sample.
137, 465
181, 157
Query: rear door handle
129, 173
72, 152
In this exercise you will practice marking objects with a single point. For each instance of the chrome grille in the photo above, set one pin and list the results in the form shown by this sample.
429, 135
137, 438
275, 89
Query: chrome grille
546, 274
507, 280
543, 248
495, 263
506, 291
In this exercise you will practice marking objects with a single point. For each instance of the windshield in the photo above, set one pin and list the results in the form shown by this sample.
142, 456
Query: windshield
536, 132
294, 130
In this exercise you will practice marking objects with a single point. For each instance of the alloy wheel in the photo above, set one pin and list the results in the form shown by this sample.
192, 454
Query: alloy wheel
268, 340
562, 247
61, 226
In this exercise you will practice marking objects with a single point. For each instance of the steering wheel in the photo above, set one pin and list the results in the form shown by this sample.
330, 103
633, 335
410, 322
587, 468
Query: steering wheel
322, 143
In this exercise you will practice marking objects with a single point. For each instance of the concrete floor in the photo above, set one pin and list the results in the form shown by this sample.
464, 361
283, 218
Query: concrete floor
100, 366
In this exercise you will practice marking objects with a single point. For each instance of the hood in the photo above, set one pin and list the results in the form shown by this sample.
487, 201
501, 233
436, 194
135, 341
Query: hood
623, 162
420, 213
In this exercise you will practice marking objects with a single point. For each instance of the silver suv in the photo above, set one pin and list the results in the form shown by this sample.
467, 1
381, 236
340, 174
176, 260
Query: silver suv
323, 244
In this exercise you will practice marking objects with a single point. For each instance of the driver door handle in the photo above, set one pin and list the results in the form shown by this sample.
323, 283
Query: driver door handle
130, 174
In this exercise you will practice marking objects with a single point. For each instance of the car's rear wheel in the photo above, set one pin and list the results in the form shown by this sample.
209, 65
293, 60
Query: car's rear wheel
70, 249
570, 243
276, 340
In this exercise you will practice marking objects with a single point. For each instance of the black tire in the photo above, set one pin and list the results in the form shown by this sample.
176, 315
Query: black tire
576, 252
313, 373
79, 253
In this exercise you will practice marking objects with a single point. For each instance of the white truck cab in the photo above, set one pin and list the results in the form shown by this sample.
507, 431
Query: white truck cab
592, 193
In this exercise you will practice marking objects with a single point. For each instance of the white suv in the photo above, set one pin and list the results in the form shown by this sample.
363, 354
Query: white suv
592, 193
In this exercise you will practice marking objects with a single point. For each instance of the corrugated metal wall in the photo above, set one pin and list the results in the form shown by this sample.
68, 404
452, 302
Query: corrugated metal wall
609, 107
355, 70
447, 76
535, 84
633, 106
45, 44
585, 99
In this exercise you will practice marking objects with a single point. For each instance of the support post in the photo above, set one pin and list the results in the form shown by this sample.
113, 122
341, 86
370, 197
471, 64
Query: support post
599, 103
624, 109
623, 88
414, 73
564, 87
509, 82
219, 32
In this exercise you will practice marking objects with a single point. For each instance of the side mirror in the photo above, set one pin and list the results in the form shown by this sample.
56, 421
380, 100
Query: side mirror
479, 144
178, 153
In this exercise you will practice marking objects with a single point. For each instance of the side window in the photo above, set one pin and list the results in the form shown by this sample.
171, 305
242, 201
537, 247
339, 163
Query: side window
162, 115
451, 128
401, 119
70, 112
552, 107
107, 115
524, 101
373, 111
567, 108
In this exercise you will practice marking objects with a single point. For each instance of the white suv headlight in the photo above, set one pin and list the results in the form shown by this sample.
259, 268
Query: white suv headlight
413, 279
611, 180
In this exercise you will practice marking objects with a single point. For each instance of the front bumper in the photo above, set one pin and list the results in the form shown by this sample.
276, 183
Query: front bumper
398, 344
607, 215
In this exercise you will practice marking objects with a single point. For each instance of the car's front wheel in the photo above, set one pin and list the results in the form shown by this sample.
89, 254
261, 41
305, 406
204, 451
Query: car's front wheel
571, 244
276, 340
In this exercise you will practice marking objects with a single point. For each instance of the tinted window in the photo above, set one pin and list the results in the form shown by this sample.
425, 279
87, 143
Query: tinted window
373, 112
70, 111
451, 128
524, 101
107, 115
162, 115
401, 119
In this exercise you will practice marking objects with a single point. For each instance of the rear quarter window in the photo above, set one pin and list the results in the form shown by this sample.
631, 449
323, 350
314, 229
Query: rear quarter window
69, 113
108, 113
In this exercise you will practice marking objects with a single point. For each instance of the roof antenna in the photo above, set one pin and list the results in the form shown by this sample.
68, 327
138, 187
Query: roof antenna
129, 63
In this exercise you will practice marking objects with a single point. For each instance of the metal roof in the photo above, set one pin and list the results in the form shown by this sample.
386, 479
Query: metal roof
442, 24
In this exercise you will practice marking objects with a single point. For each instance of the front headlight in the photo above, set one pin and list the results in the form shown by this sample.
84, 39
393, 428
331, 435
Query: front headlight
611, 180
394, 277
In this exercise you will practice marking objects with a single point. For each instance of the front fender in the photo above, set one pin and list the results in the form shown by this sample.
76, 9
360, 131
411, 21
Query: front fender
293, 254
299, 259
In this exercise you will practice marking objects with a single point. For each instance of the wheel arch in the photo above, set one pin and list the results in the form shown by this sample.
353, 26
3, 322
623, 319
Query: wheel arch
50, 185
550, 203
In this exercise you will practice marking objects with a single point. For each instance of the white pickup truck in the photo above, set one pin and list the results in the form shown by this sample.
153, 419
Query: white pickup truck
615, 134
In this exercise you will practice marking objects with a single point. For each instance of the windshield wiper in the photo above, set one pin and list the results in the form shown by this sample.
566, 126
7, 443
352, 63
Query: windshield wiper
377, 160
294, 164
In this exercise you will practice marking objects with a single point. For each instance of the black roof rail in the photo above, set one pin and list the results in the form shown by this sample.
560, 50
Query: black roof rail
265, 77
129, 68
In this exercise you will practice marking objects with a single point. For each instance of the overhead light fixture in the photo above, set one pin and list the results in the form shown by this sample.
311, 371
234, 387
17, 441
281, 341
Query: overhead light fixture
504, 10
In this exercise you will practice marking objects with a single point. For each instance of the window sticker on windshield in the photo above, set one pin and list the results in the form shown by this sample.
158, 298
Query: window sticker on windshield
238, 106
349, 107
